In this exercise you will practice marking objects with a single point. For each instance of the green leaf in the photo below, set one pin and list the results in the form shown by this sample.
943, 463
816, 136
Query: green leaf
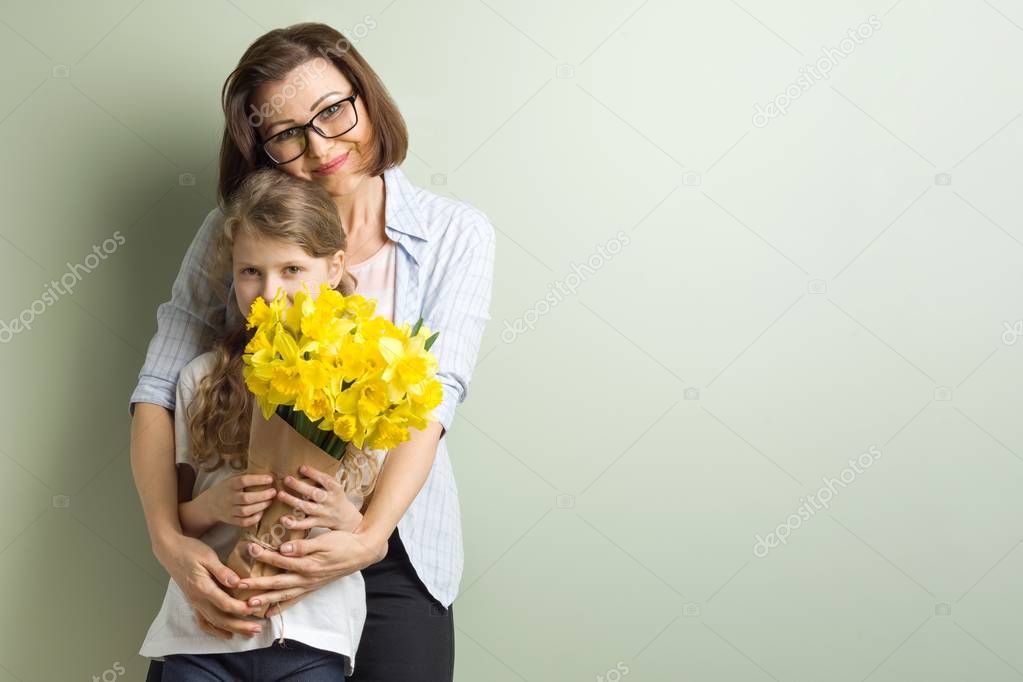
429, 341
415, 329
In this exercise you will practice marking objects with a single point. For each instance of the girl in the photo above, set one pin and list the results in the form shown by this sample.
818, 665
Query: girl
278, 232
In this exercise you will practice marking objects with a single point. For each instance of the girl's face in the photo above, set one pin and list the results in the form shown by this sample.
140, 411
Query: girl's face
260, 266
307, 90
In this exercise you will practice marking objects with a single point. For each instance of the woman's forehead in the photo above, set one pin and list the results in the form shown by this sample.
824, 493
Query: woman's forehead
300, 92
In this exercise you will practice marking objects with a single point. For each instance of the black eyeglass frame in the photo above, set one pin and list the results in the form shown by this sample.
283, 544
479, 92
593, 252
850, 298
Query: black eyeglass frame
310, 124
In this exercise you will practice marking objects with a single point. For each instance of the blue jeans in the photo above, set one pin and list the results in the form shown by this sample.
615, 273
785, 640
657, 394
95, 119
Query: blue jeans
295, 662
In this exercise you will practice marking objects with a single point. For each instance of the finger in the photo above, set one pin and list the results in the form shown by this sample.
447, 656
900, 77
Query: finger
258, 496
281, 596
297, 565
324, 479
212, 629
224, 575
304, 522
250, 521
250, 509
242, 481
281, 581
220, 599
307, 506
227, 623
311, 492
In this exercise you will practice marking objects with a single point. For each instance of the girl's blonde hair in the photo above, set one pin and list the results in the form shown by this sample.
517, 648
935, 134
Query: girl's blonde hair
268, 204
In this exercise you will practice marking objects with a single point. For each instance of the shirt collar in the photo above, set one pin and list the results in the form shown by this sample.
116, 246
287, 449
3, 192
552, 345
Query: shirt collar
403, 214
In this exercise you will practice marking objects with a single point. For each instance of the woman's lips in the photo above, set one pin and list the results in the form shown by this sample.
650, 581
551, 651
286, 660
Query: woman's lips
329, 168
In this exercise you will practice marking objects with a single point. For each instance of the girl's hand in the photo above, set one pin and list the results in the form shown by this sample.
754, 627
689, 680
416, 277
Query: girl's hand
228, 502
324, 505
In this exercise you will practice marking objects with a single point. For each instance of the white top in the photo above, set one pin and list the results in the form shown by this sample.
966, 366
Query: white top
331, 618
376, 278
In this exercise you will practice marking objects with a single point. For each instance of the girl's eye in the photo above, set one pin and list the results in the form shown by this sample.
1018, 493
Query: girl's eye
294, 269
249, 271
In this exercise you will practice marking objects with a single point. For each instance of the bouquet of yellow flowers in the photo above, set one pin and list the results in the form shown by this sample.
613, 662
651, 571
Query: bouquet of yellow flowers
330, 382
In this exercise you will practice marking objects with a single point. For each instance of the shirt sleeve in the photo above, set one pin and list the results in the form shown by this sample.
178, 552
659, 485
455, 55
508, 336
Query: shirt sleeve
181, 322
458, 307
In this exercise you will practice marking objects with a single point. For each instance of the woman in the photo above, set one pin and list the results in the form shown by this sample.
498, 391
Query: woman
304, 101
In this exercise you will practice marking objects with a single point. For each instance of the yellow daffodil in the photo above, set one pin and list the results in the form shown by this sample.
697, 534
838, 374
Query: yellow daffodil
339, 372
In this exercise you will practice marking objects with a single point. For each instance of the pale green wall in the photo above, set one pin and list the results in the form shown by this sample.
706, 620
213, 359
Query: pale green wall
610, 515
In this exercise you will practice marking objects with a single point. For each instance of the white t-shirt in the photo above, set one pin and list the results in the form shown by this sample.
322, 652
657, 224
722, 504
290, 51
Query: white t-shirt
376, 278
331, 618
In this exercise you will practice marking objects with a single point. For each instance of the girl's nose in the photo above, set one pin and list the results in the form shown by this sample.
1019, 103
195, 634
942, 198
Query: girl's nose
269, 291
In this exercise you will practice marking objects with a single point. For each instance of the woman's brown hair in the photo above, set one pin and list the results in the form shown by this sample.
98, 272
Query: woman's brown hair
271, 58
268, 204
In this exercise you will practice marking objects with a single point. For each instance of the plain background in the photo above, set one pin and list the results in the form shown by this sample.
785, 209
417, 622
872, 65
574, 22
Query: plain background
793, 292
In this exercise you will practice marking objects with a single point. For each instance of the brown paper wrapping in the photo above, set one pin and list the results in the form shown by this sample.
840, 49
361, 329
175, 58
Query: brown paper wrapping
275, 448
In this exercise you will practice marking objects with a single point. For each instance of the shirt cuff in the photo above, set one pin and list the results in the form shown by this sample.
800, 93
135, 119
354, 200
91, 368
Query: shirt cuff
155, 390
445, 412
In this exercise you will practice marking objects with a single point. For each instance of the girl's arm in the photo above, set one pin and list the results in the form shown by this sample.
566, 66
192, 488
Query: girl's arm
195, 518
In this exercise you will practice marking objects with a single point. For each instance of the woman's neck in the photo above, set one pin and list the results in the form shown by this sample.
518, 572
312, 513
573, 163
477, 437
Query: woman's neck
362, 217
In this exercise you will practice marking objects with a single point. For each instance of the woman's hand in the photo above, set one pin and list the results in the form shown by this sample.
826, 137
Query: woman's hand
227, 501
324, 505
313, 562
198, 571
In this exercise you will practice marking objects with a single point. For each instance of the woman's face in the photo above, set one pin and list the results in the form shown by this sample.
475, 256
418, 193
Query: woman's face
261, 266
307, 90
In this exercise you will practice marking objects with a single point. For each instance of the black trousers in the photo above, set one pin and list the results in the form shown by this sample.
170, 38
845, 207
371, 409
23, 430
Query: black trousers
409, 636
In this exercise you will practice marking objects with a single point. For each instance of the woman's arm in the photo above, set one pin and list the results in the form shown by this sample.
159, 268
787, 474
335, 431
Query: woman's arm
152, 465
190, 562
401, 477
181, 323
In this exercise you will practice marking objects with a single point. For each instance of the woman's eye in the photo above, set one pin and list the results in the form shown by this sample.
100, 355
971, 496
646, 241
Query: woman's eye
294, 269
288, 134
331, 110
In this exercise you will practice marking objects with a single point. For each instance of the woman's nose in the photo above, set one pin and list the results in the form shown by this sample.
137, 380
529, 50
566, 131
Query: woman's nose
318, 146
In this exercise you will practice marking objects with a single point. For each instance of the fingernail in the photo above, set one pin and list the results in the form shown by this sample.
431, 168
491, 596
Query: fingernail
286, 548
232, 581
255, 602
244, 586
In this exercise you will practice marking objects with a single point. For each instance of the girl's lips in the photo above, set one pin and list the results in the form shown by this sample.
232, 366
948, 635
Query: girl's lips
329, 168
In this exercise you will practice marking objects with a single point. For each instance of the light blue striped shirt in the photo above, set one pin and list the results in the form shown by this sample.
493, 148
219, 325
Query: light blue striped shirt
444, 274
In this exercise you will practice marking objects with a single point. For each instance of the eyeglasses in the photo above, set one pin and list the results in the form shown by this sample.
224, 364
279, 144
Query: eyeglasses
332, 121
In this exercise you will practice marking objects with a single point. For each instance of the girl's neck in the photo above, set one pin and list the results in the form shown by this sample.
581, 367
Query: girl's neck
362, 216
